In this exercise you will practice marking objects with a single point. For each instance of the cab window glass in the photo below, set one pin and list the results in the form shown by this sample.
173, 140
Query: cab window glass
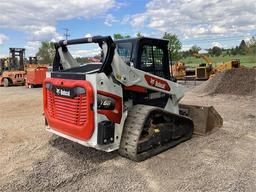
152, 58
125, 51
147, 56
158, 57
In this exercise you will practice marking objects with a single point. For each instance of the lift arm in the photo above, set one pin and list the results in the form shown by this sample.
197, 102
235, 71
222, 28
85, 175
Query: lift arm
204, 57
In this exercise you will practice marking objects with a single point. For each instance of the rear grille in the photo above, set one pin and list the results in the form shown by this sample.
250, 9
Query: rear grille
69, 110
18, 76
201, 73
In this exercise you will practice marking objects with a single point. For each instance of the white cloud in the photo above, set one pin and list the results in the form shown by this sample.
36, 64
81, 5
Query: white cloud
3, 38
218, 29
186, 47
44, 33
217, 44
109, 20
203, 51
38, 18
189, 18
32, 48
138, 20
194, 31
126, 19
85, 53
4, 55
88, 35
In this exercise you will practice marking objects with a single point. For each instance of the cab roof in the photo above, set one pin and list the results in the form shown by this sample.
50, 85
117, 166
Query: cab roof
144, 39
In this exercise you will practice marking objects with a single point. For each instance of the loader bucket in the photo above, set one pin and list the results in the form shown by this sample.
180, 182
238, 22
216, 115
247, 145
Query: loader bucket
206, 119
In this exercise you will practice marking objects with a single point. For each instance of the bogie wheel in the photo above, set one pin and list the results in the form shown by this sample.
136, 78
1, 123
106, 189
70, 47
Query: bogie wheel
6, 82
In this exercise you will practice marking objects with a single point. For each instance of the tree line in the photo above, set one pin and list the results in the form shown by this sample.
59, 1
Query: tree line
46, 51
244, 48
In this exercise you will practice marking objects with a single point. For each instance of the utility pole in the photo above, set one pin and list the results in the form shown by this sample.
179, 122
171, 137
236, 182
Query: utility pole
66, 33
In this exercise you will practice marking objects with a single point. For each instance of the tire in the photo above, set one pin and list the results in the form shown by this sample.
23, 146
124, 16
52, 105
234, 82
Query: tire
6, 82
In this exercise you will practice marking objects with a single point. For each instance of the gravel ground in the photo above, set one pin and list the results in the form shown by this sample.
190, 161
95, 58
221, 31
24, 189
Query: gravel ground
31, 159
240, 81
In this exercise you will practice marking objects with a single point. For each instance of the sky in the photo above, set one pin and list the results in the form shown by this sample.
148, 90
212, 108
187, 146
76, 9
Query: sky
25, 23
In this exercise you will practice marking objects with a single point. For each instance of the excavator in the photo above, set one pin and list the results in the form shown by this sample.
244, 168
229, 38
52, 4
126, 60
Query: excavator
126, 103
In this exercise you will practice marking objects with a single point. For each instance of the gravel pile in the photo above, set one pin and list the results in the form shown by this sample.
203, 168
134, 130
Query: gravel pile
240, 81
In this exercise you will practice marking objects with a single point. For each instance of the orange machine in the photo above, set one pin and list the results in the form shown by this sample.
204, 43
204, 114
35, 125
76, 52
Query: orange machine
235, 63
13, 71
178, 70
36, 74
204, 70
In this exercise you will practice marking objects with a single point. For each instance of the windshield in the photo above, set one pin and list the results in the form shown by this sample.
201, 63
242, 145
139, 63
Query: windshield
125, 51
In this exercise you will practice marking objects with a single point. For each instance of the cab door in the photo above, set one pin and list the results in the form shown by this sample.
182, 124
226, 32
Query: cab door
154, 59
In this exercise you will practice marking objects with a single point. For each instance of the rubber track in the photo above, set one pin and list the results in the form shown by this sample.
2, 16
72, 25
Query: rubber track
132, 131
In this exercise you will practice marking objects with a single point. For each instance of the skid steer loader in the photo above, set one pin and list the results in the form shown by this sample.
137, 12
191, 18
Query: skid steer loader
126, 103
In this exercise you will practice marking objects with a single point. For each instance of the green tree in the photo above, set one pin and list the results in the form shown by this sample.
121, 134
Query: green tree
119, 36
233, 51
215, 51
252, 41
139, 34
185, 54
242, 48
174, 45
195, 49
46, 52
252, 46
82, 60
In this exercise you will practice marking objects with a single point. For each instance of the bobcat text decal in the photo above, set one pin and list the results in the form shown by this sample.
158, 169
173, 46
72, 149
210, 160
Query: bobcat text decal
63, 92
158, 83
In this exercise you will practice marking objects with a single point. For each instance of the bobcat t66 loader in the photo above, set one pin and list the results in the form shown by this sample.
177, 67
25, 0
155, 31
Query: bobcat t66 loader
126, 103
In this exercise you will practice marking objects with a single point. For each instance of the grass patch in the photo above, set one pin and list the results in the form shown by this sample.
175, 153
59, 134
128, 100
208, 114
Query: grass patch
245, 60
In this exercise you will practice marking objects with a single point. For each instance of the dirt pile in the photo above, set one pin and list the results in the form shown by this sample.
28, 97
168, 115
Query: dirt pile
240, 81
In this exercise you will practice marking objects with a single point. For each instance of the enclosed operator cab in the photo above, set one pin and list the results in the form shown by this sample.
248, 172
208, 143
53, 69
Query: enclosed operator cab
149, 55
